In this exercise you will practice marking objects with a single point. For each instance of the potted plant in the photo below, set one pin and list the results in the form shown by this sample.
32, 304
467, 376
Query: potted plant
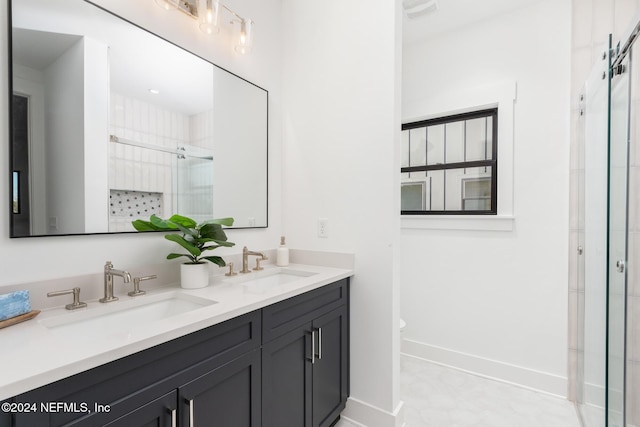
197, 239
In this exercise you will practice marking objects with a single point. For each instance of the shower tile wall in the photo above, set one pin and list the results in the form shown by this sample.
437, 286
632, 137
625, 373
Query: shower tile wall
147, 170
593, 20
139, 169
201, 127
633, 272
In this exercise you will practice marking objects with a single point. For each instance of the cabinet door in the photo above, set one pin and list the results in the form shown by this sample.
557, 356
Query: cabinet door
286, 380
5, 417
157, 413
330, 368
228, 396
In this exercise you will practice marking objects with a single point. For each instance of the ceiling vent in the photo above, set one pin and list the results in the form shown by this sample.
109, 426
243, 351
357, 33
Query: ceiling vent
417, 8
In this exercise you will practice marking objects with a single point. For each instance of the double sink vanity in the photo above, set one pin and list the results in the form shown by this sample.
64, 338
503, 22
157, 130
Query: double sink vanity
268, 348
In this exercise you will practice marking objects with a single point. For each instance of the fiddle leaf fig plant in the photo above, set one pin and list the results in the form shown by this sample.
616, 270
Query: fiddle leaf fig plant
195, 238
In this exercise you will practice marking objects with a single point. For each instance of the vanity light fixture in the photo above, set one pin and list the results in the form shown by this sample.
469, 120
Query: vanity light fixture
167, 4
207, 13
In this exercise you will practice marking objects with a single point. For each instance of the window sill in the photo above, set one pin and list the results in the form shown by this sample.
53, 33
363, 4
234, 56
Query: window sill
460, 222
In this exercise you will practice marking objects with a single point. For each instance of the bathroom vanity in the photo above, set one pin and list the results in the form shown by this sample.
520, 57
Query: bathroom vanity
281, 358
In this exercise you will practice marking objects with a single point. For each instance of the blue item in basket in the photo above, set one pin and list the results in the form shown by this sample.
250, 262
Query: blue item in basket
14, 304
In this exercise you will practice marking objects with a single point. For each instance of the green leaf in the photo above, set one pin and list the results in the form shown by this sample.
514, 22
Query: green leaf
188, 231
193, 250
213, 231
216, 260
201, 243
161, 224
222, 221
173, 256
183, 221
142, 225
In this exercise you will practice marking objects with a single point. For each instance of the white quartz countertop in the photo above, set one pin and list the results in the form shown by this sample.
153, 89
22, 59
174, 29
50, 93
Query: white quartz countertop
33, 354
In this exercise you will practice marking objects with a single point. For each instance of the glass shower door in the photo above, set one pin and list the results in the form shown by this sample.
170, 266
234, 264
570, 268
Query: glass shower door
592, 247
617, 243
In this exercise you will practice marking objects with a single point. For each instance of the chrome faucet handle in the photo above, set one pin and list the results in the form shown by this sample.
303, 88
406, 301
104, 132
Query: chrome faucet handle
258, 267
231, 272
136, 285
76, 298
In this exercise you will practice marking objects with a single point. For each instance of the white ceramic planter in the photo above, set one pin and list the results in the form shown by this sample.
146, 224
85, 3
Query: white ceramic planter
194, 276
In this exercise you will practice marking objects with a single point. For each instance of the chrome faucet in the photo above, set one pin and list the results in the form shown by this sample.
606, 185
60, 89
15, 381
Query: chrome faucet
109, 272
245, 259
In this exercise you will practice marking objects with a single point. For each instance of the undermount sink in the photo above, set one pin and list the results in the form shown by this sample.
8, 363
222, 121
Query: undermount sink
268, 279
123, 317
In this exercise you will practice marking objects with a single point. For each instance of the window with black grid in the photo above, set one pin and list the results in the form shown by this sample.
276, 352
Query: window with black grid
449, 165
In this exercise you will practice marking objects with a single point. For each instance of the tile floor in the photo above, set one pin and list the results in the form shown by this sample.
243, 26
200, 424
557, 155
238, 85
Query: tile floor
436, 396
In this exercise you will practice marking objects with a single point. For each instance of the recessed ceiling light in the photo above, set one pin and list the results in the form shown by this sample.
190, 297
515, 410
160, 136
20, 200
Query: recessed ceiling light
154, 91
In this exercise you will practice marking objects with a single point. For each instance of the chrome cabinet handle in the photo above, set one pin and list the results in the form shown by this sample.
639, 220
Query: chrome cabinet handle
173, 418
319, 343
313, 346
191, 424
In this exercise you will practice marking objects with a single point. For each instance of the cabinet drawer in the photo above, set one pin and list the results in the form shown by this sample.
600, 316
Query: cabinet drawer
284, 316
166, 365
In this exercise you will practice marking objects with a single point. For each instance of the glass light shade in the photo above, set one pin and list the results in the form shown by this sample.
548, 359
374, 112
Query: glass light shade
167, 4
244, 38
209, 16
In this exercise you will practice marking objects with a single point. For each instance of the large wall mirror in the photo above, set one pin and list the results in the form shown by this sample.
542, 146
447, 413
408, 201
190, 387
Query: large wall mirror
110, 123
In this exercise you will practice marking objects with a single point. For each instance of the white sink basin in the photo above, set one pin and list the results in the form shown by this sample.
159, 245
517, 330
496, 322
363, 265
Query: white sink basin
123, 317
263, 281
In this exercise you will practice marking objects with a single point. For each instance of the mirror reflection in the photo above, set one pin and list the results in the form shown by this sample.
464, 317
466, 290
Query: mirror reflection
112, 123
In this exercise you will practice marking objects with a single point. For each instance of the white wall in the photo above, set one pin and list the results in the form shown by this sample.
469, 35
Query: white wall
96, 127
341, 158
495, 302
239, 185
64, 256
64, 102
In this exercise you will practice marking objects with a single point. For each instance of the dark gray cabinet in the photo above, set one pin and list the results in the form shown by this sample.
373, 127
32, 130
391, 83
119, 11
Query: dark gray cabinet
305, 369
283, 365
286, 379
227, 396
330, 367
160, 412
133, 387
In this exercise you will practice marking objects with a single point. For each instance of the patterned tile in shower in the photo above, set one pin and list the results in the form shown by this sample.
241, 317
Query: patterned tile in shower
134, 204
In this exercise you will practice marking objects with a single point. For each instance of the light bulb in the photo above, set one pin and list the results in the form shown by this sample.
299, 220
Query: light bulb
245, 37
209, 11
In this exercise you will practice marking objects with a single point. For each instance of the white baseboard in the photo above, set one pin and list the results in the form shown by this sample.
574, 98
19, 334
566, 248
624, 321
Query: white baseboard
362, 414
488, 368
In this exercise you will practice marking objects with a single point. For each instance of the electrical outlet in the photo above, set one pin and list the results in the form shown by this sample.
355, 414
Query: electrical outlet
323, 227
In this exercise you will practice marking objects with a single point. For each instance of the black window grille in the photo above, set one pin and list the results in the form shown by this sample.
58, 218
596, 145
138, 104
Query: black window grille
450, 165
